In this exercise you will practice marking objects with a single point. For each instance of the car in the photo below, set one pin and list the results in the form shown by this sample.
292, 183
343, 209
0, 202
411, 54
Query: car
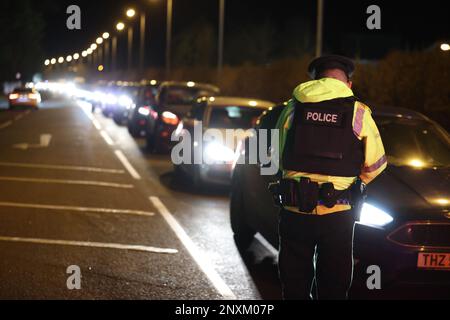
173, 101
219, 113
24, 97
138, 117
405, 222
126, 102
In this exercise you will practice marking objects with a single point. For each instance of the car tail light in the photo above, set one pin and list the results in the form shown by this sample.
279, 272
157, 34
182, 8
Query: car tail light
32, 96
170, 118
13, 96
145, 111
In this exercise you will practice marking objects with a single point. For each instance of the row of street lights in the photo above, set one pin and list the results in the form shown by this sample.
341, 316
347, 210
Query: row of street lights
101, 47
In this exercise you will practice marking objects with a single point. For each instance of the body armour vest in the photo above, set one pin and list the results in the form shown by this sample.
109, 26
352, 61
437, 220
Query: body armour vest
321, 139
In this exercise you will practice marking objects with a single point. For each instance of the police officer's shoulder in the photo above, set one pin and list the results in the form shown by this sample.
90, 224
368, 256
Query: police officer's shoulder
362, 105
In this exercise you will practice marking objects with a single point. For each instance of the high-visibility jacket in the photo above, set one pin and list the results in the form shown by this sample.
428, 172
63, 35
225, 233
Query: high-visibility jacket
365, 130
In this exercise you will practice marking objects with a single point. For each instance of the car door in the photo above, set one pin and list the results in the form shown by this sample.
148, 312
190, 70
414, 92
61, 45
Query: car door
262, 212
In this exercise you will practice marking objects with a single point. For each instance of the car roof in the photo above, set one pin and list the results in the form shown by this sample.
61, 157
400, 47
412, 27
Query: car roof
239, 101
389, 111
191, 84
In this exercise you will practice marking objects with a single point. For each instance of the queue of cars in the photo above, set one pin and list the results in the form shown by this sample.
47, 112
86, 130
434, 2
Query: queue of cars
405, 222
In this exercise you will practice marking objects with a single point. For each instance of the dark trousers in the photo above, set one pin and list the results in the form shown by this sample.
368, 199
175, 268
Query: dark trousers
316, 252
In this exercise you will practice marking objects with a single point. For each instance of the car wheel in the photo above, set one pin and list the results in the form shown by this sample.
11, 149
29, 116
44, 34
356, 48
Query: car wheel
243, 233
151, 142
134, 132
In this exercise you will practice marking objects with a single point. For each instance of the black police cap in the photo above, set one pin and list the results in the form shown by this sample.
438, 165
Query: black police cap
328, 62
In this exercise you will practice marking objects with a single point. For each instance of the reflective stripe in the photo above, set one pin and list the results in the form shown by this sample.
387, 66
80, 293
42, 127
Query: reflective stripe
359, 118
377, 165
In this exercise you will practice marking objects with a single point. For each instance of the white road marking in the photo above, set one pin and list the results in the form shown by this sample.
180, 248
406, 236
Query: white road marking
266, 244
44, 142
107, 138
6, 124
97, 124
85, 108
127, 165
60, 167
200, 258
89, 245
74, 182
75, 209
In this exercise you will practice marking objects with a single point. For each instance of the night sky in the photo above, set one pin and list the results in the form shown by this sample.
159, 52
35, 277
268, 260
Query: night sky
405, 24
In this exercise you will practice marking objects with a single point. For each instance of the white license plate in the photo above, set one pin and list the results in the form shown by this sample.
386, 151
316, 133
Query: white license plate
434, 261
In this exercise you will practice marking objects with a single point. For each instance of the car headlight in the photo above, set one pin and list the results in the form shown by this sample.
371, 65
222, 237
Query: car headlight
125, 101
218, 153
373, 216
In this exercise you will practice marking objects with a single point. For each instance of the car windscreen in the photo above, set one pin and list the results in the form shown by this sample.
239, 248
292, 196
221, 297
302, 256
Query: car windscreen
185, 95
234, 117
23, 91
415, 143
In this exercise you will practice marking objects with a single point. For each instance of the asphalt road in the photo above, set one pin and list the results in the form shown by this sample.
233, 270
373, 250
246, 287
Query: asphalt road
77, 190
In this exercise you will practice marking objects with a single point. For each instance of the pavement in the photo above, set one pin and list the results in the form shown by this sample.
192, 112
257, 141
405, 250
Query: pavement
77, 190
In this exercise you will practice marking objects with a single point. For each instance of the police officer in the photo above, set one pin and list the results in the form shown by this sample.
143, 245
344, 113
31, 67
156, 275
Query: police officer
330, 147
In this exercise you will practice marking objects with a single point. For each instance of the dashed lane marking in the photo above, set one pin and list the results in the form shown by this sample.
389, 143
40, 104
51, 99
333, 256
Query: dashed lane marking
5, 125
89, 245
70, 182
76, 209
107, 138
61, 167
127, 165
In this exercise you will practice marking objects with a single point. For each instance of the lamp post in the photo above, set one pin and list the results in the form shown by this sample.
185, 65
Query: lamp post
142, 41
131, 13
169, 38
221, 38
119, 27
319, 36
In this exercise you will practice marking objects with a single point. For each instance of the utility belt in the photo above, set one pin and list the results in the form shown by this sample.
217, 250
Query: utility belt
306, 195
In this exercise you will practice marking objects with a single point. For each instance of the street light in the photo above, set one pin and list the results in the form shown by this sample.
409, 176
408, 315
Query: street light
69, 58
99, 40
47, 62
94, 47
61, 60
445, 47
106, 35
53, 61
76, 56
131, 13
120, 26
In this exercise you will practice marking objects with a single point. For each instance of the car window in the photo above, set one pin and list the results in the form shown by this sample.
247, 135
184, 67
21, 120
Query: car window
269, 118
184, 95
234, 117
23, 90
416, 143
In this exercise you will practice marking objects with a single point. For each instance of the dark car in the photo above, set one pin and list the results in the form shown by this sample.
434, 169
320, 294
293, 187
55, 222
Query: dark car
405, 223
138, 117
126, 98
173, 102
24, 97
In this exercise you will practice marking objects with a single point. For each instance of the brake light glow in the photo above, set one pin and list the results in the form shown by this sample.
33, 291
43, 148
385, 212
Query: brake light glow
33, 96
13, 96
170, 118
